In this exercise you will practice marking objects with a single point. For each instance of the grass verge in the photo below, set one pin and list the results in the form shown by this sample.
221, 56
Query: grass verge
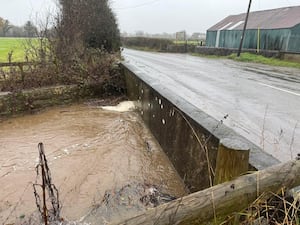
253, 58
248, 57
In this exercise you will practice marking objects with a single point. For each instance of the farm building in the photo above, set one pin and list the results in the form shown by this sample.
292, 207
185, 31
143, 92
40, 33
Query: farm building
276, 29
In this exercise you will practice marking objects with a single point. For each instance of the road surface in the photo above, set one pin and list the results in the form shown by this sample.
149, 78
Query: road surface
263, 102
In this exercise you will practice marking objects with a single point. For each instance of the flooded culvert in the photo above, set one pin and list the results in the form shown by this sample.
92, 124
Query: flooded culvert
91, 152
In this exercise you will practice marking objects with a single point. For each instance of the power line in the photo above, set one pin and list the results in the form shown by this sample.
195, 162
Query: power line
138, 6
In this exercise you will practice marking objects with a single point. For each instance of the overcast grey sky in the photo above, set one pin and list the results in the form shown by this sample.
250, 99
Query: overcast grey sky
152, 16
19, 11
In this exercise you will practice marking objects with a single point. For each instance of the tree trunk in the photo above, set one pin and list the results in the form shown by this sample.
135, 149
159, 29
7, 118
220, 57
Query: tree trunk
223, 199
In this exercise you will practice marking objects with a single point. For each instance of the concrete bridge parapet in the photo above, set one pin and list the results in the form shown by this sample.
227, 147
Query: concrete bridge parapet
203, 150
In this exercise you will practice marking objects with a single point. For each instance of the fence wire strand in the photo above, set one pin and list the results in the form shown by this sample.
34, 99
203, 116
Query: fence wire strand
47, 200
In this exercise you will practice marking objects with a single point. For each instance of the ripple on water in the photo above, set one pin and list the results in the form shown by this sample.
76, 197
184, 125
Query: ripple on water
90, 150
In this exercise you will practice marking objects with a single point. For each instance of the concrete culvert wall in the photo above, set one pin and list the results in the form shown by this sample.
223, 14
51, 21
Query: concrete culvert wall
202, 149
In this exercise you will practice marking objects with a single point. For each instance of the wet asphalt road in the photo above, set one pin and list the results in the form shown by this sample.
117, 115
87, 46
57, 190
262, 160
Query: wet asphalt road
263, 102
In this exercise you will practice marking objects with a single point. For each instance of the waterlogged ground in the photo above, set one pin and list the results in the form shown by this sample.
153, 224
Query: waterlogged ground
89, 151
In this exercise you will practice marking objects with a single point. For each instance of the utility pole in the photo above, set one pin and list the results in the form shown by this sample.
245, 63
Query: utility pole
244, 30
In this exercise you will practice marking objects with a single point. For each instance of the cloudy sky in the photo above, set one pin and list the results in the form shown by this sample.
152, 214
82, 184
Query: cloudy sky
152, 16
19, 11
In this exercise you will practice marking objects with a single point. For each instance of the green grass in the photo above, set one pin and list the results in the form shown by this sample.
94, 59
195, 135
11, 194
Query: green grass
248, 57
189, 42
12, 44
253, 58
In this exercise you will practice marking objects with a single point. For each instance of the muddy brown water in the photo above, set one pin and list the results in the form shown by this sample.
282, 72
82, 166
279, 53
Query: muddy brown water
89, 151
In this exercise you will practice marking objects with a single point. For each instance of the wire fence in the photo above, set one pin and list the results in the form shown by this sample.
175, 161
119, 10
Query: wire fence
45, 192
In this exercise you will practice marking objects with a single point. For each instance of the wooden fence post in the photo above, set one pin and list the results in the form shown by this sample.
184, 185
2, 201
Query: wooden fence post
220, 200
20, 65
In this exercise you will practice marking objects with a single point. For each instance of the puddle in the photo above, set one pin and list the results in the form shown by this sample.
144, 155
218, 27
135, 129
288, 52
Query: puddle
90, 151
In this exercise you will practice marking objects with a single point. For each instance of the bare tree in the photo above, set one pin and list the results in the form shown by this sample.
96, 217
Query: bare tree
73, 47
30, 29
5, 27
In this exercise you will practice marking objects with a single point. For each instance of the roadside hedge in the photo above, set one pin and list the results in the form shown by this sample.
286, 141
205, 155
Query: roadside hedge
159, 44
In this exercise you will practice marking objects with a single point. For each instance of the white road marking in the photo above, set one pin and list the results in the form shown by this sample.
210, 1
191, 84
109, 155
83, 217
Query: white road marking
280, 89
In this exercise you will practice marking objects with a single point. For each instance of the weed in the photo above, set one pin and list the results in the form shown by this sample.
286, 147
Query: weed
253, 58
250, 57
269, 208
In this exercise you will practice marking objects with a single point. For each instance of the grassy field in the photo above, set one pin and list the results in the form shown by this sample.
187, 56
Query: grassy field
12, 44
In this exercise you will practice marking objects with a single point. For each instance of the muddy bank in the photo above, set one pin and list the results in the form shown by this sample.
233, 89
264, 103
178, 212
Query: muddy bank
90, 151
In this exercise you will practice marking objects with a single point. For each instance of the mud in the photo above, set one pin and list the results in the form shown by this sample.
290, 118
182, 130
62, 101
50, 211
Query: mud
89, 151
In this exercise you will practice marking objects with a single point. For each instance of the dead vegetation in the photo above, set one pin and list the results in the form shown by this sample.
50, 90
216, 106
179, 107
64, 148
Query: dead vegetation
69, 49
270, 208
97, 67
128, 200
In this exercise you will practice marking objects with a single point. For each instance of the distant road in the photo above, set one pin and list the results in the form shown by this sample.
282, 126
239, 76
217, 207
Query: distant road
263, 102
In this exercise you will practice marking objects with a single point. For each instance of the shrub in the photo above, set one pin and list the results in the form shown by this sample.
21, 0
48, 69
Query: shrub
143, 42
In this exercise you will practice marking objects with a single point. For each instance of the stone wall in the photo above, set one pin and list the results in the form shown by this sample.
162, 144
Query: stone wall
293, 57
32, 100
